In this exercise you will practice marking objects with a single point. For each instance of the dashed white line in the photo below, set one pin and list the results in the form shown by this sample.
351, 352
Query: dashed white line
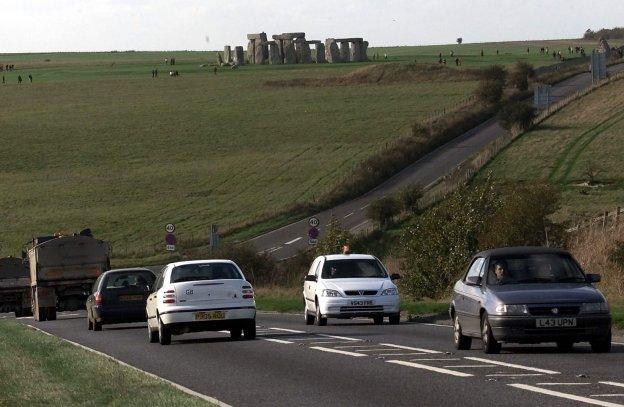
607, 395
613, 384
342, 352
438, 325
293, 241
563, 384
275, 340
433, 359
514, 374
289, 330
348, 214
339, 337
564, 395
410, 348
365, 206
430, 368
469, 366
521, 367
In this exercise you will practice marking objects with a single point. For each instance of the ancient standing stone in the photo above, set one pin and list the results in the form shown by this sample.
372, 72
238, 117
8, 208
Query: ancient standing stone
365, 51
227, 54
265, 46
239, 55
289, 52
344, 51
320, 53
274, 54
259, 58
357, 51
251, 51
332, 53
304, 55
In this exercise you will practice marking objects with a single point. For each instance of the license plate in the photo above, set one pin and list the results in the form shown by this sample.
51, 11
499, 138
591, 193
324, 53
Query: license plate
209, 315
556, 322
131, 298
361, 302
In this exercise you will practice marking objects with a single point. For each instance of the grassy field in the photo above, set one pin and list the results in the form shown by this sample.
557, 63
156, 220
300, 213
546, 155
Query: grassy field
36, 369
96, 142
586, 135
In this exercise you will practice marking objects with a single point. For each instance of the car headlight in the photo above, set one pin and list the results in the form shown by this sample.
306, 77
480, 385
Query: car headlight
330, 293
390, 291
512, 309
593, 307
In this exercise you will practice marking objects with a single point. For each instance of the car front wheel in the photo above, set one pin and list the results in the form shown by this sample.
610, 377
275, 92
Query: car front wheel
319, 320
462, 342
309, 319
490, 345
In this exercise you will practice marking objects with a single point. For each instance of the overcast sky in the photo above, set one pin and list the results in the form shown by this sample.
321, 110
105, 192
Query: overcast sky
103, 25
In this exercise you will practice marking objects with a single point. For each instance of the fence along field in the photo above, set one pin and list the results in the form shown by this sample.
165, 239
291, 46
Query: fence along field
95, 141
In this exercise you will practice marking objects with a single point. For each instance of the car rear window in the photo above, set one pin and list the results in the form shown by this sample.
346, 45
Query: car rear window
353, 268
534, 268
205, 271
137, 280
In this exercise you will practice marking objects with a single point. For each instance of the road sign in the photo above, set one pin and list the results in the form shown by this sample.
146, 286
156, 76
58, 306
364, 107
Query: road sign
170, 247
314, 222
171, 241
313, 233
170, 228
312, 241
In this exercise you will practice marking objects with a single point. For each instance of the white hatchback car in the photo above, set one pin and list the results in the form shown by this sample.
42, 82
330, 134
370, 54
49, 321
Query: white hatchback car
201, 295
348, 286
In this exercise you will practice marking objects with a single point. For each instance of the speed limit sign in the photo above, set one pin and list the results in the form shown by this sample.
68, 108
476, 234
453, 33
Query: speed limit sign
313, 222
170, 228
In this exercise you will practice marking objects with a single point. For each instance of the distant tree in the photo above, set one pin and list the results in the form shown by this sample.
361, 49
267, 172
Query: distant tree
409, 197
520, 75
384, 210
516, 115
459, 40
490, 91
333, 239
495, 72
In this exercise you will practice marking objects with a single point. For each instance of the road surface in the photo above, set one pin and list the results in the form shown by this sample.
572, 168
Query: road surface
357, 363
286, 241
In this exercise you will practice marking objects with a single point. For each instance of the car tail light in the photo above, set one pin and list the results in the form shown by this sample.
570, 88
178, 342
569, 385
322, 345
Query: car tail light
248, 293
169, 297
98, 298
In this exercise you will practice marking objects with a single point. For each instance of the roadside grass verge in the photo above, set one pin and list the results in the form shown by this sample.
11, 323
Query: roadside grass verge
36, 369
617, 312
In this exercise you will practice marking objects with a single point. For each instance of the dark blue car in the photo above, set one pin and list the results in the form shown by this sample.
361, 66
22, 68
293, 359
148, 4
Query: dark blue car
529, 295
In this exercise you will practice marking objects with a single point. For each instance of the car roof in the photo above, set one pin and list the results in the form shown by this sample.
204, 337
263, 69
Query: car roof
113, 271
349, 256
184, 263
520, 250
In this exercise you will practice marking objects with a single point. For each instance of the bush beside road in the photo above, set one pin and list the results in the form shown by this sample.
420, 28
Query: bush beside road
40, 369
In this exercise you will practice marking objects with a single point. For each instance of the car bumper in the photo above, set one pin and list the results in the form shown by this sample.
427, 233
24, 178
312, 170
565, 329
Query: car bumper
118, 316
353, 307
183, 319
522, 329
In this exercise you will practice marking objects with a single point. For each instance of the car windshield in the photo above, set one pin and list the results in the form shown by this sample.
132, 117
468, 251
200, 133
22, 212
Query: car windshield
205, 271
353, 268
534, 268
135, 280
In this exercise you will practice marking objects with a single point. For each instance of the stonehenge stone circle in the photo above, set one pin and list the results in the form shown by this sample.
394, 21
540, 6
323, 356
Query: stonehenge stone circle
274, 53
239, 55
332, 53
227, 54
344, 51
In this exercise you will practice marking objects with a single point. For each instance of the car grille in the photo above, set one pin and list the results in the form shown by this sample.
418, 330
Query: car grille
562, 310
361, 292
362, 308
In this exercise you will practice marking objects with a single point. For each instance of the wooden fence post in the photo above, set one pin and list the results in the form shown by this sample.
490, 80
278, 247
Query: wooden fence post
617, 216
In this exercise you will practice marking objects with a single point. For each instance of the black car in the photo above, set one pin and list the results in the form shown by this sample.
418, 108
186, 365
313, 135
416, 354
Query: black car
529, 295
119, 296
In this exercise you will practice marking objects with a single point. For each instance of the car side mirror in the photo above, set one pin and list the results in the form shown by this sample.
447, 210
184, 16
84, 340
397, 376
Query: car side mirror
148, 288
310, 277
395, 276
593, 278
473, 280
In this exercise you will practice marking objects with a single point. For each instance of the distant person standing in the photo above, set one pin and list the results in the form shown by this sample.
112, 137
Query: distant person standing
456, 61
30, 78
215, 70
481, 52
386, 57
155, 73
166, 61
528, 50
3, 80
19, 78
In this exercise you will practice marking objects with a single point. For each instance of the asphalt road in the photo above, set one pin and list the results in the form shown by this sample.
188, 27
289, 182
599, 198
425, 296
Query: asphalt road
285, 242
357, 363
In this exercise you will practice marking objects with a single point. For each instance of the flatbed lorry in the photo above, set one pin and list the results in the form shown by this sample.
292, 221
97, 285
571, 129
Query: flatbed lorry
15, 286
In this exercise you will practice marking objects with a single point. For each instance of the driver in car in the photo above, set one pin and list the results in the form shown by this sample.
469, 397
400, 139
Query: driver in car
501, 272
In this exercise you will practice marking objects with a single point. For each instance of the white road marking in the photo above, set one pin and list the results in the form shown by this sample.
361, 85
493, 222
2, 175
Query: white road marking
275, 340
274, 249
469, 366
328, 343
109, 357
342, 352
617, 343
339, 337
606, 395
347, 215
382, 350
410, 348
293, 241
613, 384
439, 325
25, 318
303, 339
433, 359
564, 395
354, 346
431, 368
365, 206
359, 225
289, 330
522, 367
401, 354
562, 384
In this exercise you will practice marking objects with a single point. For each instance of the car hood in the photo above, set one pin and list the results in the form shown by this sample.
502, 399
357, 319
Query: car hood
545, 293
342, 284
